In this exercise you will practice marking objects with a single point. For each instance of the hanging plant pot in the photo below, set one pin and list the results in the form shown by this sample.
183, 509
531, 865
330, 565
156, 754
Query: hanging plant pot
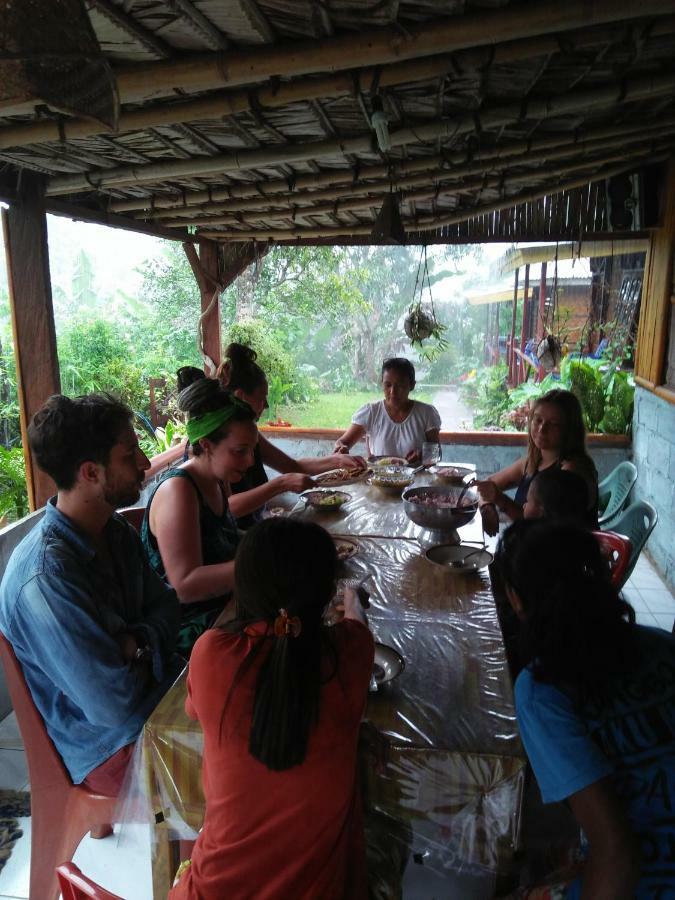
420, 324
549, 352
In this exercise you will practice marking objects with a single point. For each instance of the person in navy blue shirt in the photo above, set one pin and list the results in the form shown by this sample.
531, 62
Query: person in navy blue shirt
91, 624
596, 709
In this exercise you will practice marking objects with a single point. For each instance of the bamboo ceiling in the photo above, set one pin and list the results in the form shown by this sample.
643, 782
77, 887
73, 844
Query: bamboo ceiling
251, 119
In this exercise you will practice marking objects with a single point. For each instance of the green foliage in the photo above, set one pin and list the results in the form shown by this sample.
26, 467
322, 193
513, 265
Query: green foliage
273, 358
163, 439
95, 356
13, 496
619, 399
586, 382
278, 392
488, 394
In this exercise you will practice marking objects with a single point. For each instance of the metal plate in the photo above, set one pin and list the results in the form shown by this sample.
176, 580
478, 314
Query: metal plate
459, 558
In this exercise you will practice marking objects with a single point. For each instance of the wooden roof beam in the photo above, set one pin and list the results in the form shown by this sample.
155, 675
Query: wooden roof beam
134, 29
203, 27
604, 96
345, 196
257, 20
226, 104
379, 46
163, 206
429, 193
416, 230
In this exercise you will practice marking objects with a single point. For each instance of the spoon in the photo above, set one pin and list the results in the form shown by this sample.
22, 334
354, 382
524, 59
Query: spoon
464, 490
460, 563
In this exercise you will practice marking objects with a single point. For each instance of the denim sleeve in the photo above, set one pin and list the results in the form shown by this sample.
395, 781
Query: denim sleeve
564, 757
55, 629
161, 618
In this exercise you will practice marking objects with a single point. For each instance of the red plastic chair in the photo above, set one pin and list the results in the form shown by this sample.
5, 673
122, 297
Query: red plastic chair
61, 812
133, 515
76, 886
617, 551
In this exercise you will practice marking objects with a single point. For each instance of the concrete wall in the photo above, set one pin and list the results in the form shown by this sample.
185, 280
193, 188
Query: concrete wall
654, 456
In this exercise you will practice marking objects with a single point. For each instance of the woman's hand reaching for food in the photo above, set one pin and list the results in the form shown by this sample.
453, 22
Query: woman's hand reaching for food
340, 447
296, 482
413, 456
488, 490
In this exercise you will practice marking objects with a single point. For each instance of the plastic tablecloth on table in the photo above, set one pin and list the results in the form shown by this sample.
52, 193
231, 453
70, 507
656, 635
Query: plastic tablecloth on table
450, 794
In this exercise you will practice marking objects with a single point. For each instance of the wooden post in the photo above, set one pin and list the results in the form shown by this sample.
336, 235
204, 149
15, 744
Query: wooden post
512, 338
542, 303
215, 268
24, 226
657, 290
526, 325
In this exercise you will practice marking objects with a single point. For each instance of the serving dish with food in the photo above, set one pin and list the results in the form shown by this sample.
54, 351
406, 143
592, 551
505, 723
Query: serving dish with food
440, 510
451, 473
377, 461
326, 499
392, 478
341, 476
345, 547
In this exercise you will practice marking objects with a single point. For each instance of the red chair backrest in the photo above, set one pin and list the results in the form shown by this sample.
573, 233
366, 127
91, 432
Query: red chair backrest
76, 886
133, 515
617, 550
45, 766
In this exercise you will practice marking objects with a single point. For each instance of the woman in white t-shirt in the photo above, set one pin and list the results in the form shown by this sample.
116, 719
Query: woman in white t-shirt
397, 425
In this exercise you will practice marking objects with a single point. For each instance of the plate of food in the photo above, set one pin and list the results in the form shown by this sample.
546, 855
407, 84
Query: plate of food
392, 478
459, 558
340, 476
451, 473
377, 461
323, 498
346, 547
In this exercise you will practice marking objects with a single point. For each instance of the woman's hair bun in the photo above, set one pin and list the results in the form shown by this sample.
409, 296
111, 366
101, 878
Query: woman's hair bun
201, 396
240, 354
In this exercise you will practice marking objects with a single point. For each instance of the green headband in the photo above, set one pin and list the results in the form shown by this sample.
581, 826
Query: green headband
204, 425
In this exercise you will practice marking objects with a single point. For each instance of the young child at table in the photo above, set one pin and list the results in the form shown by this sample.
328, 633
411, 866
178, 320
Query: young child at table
557, 494
596, 709
280, 696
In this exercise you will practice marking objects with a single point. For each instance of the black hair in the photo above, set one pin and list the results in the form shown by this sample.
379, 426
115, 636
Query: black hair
187, 375
207, 395
562, 494
576, 628
240, 371
401, 365
292, 565
67, 432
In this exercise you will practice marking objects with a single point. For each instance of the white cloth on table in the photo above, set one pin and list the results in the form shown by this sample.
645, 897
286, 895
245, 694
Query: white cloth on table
389, 438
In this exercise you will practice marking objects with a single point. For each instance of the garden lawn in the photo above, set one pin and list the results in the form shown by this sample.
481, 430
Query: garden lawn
332, 410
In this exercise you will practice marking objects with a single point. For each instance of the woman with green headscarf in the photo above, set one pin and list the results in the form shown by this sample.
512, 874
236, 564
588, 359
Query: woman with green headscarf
188, 532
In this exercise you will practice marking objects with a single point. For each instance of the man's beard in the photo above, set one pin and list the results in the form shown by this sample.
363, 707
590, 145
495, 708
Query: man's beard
117, 495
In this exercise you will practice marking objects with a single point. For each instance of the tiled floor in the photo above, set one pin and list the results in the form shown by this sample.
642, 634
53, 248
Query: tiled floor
121, 863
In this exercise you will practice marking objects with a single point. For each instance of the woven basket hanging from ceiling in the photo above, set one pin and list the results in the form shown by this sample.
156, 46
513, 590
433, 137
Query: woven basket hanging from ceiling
49, 55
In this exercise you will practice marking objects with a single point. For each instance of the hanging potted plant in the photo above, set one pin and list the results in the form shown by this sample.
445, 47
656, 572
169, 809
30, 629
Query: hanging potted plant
421, 323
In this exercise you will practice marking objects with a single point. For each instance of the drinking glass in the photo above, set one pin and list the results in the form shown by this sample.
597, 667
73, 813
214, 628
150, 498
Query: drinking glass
431, 453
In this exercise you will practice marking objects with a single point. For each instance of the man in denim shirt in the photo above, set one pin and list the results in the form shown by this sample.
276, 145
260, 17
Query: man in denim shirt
91, 624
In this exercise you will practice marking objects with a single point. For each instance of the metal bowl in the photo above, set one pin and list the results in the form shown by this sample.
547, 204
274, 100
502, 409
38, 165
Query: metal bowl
440, 518
388, 663
451, 473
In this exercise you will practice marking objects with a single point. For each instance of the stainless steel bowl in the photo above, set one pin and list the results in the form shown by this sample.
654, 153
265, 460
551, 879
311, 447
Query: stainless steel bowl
444, 518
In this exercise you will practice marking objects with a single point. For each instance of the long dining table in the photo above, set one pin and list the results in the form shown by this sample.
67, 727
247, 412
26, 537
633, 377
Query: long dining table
444, 809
